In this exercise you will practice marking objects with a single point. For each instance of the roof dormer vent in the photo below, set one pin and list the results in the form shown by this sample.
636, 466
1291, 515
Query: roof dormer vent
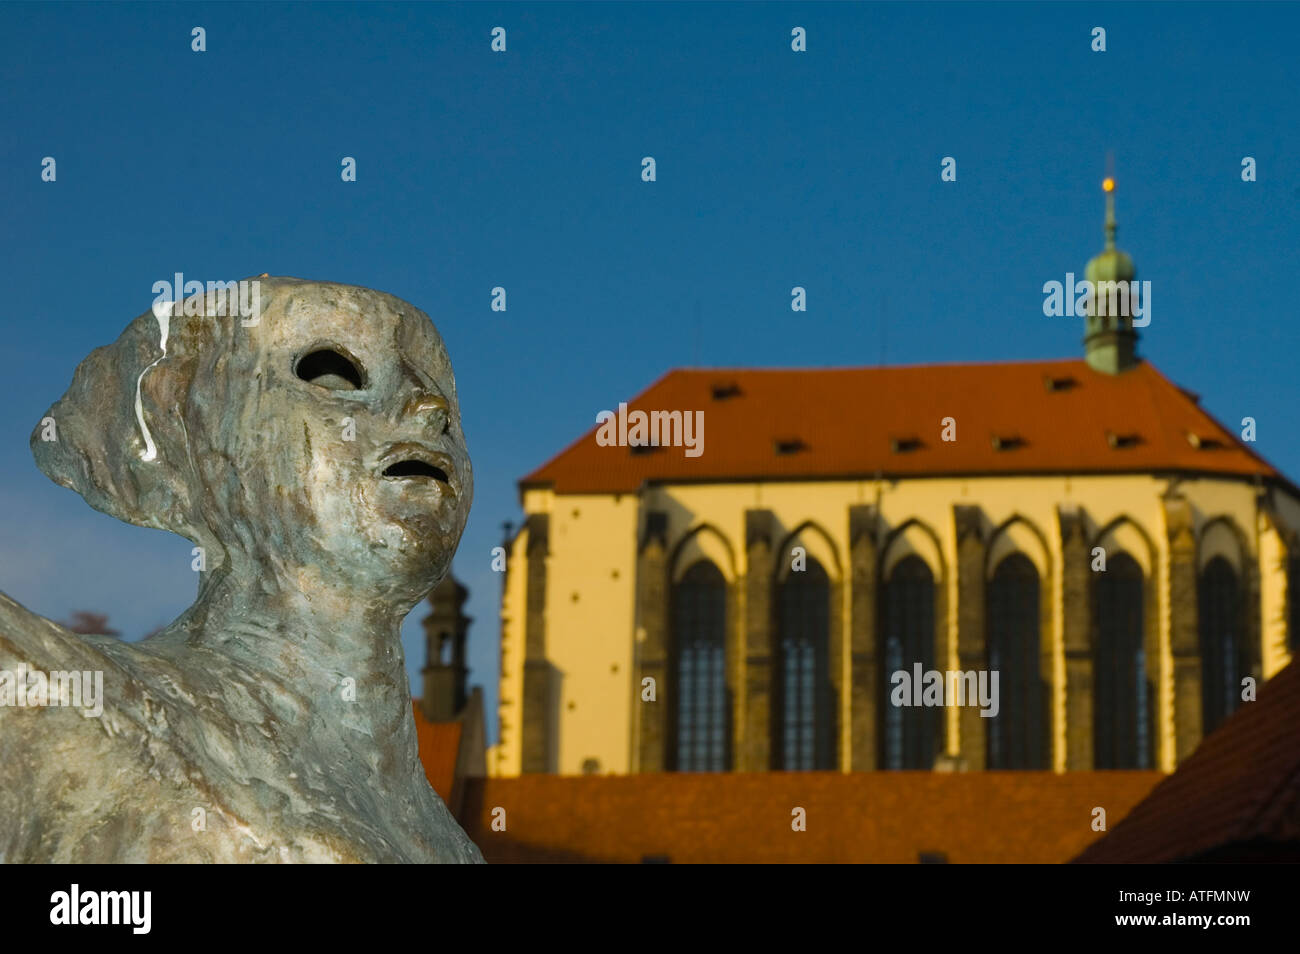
724, 390
1204, 441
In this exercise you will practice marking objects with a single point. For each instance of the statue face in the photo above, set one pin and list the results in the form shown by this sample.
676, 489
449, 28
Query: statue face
345, 441
319, 445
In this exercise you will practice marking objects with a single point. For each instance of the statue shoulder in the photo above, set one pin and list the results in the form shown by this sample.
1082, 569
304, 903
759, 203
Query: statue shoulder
37, 644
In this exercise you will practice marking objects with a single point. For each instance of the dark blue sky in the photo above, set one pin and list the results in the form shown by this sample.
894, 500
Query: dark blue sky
522, 169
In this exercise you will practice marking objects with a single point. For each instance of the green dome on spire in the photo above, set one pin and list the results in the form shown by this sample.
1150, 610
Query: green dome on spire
1112, 265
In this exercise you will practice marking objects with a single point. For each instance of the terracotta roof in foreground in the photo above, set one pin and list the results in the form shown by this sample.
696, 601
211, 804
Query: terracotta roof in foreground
1235, 798
439, 744
1011, 418
896, 817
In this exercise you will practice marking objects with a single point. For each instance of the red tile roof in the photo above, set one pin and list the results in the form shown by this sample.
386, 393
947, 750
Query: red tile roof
1012, 418
1241, 787
439, 748
988, 817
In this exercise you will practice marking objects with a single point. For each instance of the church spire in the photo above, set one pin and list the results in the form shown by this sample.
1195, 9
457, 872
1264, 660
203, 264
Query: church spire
1110, 342
1108, 186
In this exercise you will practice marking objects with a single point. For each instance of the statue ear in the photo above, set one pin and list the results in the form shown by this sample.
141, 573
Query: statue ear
93, 441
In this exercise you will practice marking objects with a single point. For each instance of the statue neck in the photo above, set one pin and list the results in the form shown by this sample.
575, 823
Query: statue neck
314, 652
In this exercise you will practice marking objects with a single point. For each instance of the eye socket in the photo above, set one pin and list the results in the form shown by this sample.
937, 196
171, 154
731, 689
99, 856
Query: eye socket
331, 368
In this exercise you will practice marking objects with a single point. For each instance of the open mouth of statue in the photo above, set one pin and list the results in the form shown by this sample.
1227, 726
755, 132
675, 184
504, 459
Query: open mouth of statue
416, 468
414, 464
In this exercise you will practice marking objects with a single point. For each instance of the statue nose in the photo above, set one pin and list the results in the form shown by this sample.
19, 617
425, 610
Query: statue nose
431, 407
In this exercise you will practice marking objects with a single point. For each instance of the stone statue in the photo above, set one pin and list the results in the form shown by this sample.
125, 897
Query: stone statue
313, 453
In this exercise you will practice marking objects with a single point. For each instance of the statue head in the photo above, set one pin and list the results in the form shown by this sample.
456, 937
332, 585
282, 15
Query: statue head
317, 441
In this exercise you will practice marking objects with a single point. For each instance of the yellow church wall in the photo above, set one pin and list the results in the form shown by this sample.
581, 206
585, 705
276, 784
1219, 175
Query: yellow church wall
1274, 530
1273, 586
589, 637
506, 757
590, 604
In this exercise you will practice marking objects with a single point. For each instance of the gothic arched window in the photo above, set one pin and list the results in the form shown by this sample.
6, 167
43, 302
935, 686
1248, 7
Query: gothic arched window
701, 720
907, 638
1017, 735
1122, 700
1223, 663
805, 717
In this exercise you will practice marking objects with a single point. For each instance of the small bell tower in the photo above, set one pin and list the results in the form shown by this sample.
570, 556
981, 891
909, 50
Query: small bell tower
445, 672
1110, 341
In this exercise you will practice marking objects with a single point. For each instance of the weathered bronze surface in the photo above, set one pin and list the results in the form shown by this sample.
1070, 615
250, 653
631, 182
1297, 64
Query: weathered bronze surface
272, 721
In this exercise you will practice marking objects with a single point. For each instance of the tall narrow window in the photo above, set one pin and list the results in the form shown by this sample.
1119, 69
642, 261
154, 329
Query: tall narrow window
702, 716
1122, 702
907, 638
1222, 644
1017, 736
805, 731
